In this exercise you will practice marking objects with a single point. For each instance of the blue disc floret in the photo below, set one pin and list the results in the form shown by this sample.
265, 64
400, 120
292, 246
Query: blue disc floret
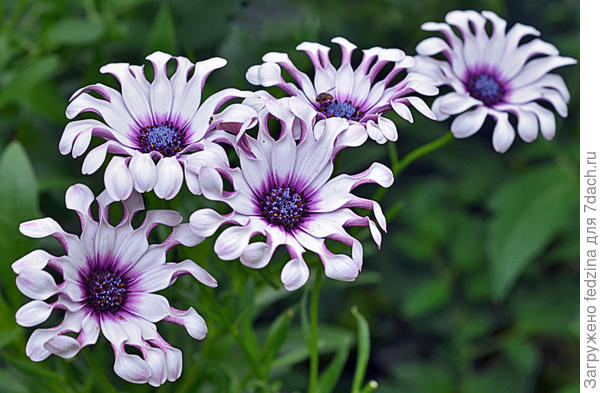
486, 88
164, 138
284, 206
106, 291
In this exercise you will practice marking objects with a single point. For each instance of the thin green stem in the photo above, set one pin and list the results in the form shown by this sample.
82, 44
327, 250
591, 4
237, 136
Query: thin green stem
255, 365
370, 387
399, 166
421, 151
314, 333
98, 372
268, 279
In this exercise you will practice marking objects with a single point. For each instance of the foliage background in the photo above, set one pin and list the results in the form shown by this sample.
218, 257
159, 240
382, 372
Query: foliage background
475, 286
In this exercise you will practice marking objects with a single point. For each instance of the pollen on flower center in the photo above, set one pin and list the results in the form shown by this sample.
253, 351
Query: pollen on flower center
106, 291
283, 206
163, 138
485, 88
334, 108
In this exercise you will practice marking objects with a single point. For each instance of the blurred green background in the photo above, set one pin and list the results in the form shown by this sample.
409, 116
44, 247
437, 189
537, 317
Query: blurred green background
475, 288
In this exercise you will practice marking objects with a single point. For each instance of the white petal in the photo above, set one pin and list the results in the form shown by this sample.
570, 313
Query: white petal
375, 133
454, 103
344, 82
64, 346
117, 179
94, 159
174, 363
469, 123
90, 330
504, 133
283, 157
170, 178
257, 255
346, 46
149, 306
340, 267
133, 92
205, 222
40, 228
432, 46
267, 74
82, 143
161, 92
402, 111
388, 129
536, 68
183, 234
33, 313
131, 368
546, 119
155, 359
79, 198
143, 172
36, 259
153, 257
294, 274
160, 277
187, 101
191, 320
232, 241
527, 125
421, 106
36, 284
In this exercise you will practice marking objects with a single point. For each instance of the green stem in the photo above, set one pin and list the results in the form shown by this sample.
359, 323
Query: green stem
254, 364
314, 333
230, 326
108, 387
399, 166
421, 151
370, 387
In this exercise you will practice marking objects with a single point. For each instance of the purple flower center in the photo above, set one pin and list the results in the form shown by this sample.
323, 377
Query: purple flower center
485, 88
283, 206
163, 138
106, 291
334, 108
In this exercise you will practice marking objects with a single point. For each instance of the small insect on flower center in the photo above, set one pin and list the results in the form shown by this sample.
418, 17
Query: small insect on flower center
284, 206
330, 107
106, 291
485, 88
163, 138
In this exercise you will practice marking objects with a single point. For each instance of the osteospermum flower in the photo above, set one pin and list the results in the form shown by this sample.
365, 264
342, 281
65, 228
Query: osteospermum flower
107, 280
494, 75
160, 121
360, 95
283, 190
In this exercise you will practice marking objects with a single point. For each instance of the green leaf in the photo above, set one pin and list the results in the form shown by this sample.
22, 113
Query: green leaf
426, 296
573, 388
528, 212
522, 354
18, 203
295, 350
75, 31
30, 368
162, 33
276, 337
328, 380
8, 336
362, 357
11, 384
423, 377
29, 76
